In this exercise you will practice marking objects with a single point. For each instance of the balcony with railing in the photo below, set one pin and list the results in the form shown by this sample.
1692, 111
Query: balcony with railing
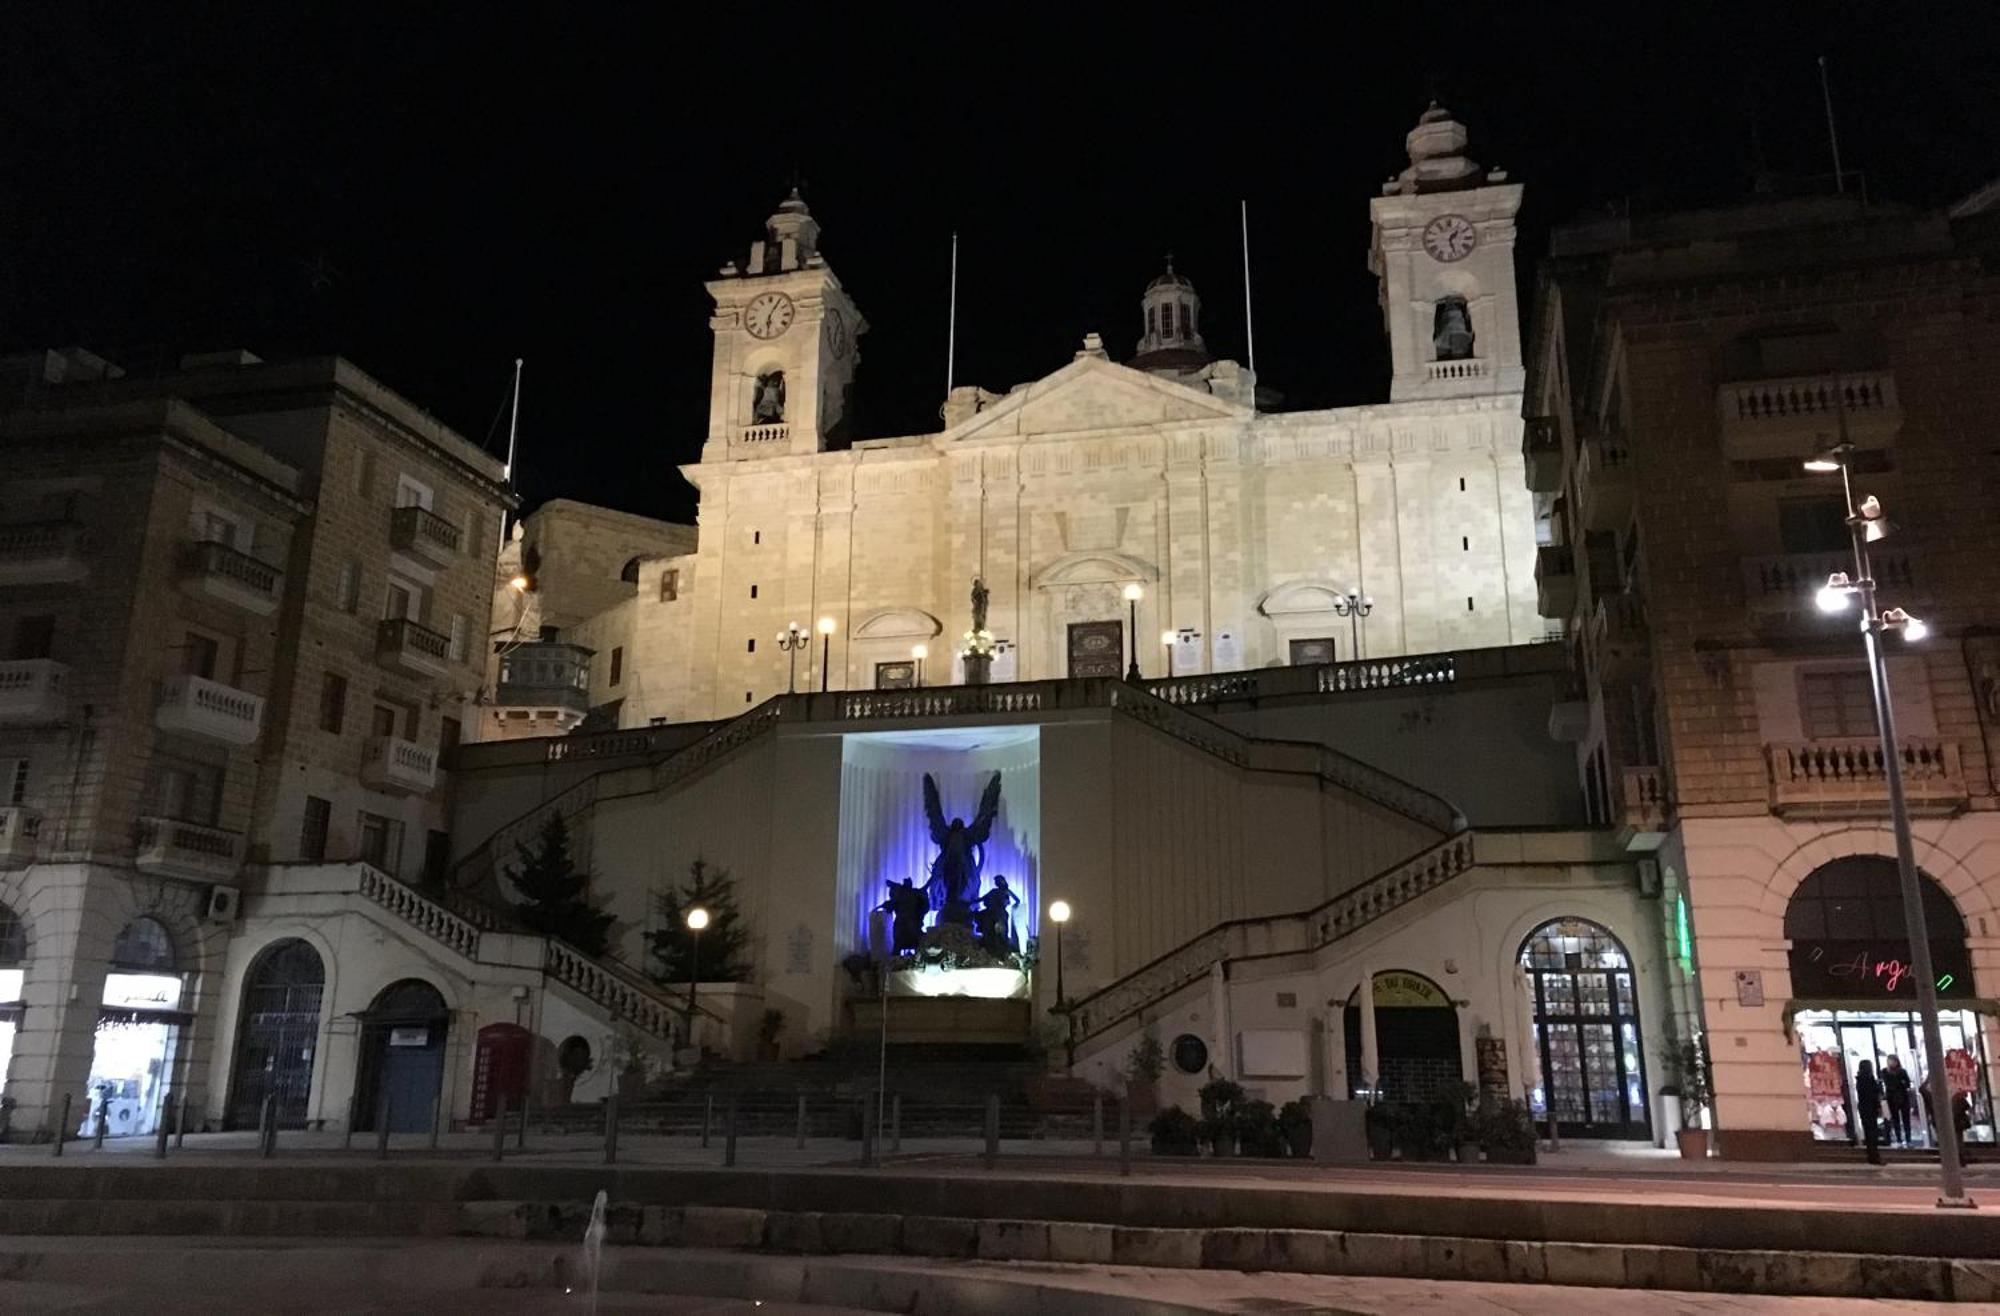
767, 435
1542, 451
1643, 802
197, 706
1620, 638
1794, 416
194, 852
1604, 482
43, 553
1785, 585
20, 835
412, 648
1846, 778
548, 683
32, 692
424, 534
221, 572
1454, 371
1555, 580
400, 766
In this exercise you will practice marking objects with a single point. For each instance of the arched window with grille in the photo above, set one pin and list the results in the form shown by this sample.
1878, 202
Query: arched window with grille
1585, 999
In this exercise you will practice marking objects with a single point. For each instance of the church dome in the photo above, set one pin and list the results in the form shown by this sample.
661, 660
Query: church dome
1438, 162
1170, 311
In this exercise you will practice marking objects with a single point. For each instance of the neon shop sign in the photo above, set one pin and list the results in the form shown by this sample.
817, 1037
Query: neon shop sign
1851, 969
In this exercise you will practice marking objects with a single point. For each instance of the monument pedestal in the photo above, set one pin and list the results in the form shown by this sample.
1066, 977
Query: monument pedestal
978, 668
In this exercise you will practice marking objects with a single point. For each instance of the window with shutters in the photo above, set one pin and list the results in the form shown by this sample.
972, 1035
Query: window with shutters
1836, 705
617, 666
312, 829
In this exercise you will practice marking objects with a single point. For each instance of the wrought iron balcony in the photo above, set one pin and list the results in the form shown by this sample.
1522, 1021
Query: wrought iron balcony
32, 693
43, 553
1845, 778
196, 852
422, 533
229, 576
1555, 580
1604, 482
1542, 451
196, 706
20, 835
401, 766
412, 648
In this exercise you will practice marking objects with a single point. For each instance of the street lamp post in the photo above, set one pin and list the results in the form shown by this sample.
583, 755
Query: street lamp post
1167, 641
1059, 915
792, 639
1354, 606
1133, 593
825, 650
919, 652
696, 919
1865, 524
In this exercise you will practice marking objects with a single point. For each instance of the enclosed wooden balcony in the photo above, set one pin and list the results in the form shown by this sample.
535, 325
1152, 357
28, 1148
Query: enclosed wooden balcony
549, 681
223, 573
1848, 778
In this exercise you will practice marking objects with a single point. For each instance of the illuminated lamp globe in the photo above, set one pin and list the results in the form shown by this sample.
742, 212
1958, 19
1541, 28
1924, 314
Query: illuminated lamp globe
1059, 911
1134, 592
697, 919
826, 625
1834, 595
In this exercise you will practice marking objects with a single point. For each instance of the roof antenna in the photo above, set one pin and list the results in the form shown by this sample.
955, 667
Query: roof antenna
1832, 133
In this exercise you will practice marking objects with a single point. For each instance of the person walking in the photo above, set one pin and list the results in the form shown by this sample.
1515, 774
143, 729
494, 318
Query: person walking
1868, 1105
1896, 1095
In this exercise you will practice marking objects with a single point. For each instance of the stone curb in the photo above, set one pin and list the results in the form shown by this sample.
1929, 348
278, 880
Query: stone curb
1303, 1251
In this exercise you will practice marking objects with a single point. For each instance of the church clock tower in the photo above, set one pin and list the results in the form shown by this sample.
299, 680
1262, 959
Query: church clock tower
1442, 252
786, 339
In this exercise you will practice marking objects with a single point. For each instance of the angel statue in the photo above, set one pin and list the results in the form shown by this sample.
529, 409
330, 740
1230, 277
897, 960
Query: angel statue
961, 852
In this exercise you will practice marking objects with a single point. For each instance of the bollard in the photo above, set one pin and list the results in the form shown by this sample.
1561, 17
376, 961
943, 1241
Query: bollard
160, 1131
62, 1125
707, 1118
1124, 1138
382, 1129
437, 1121
347, 1134
103, 1125
802, 1122
992, 1130
729, 1134
500, 1132
521, 1132
896, 1123
1097, 1125
611, 1129
269, 1127
181, 1124
867, 1141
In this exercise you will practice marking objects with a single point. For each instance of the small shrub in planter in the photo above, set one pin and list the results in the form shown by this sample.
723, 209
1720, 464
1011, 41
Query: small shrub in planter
1295, 1127
1257, 1130
1506, 1132
1219, 1097
1381, 1130
1173, 1131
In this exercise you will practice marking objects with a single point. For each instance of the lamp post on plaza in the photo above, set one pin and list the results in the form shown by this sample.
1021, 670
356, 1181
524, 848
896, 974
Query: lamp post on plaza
696, 919
919, 652
1167, 641
792, 639
825, 650
1354, 606
1865, 525
1133, 593
1059, 915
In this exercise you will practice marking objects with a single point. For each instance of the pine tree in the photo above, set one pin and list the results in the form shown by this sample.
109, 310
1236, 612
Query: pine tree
557, 902
723, 941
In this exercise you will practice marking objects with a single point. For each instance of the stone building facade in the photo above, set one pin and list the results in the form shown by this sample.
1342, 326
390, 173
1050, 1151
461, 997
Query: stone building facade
1683, 367
1241, 532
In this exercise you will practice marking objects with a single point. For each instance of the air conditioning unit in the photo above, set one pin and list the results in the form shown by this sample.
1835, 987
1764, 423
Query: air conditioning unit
224, 903
1649, 878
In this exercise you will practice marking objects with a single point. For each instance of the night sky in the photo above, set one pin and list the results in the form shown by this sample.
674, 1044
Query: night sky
432, 191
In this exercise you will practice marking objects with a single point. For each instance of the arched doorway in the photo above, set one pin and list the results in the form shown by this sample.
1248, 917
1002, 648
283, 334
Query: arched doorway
1853, 997
1416, 1037
139, 1021
1586, 1006
279, 1036
13, 982
402, 1057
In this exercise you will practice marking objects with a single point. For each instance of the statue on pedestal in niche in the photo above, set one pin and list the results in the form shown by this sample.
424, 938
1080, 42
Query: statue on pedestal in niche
979, 597
961, 852
906, 907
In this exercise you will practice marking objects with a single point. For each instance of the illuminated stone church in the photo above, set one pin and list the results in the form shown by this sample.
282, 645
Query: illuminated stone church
1138, 512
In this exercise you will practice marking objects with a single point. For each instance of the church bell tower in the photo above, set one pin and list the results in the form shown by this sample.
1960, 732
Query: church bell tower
1442, 252
786, 339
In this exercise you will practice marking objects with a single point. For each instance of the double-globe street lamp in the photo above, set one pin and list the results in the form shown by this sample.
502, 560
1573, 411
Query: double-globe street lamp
1354, 605
1866, 525
792, 639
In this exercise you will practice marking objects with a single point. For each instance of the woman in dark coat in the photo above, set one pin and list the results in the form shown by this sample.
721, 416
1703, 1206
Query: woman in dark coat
1896, 1093
1868, 1105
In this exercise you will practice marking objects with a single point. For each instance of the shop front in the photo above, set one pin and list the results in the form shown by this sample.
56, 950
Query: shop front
139, 1023
1854, 1000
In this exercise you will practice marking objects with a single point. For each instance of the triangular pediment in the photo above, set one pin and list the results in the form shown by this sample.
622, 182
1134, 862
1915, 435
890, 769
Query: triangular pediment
1093, 394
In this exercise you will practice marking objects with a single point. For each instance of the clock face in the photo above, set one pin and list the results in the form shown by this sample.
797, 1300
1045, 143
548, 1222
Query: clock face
769, 315
837, 336
1450, 237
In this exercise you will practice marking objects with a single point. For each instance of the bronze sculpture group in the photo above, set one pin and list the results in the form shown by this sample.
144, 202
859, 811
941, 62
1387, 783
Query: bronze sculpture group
953, 889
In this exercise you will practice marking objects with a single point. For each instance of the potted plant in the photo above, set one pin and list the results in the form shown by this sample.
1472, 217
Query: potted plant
1295, 1127
1257, 1130
1175, 1133
1219, 1100
1143, 1067
1506, 1132
1687, 1074
769, 1025
1458, 1104
1381, 1131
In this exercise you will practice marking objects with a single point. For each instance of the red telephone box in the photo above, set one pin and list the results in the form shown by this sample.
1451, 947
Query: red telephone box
500, 1069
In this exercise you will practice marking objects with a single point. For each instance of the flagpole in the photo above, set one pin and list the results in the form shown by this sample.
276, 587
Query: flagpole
951, 328
513, 432
1249, 327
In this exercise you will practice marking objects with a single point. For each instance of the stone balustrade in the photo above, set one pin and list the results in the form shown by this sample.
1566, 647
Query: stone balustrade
1846, 778
197, 706
32, 692
20, 835
767, 433
222, 572
423, 533
43, 553
403, 766
196, 852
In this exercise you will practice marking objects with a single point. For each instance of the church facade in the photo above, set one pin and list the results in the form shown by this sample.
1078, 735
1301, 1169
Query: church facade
1141, 515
